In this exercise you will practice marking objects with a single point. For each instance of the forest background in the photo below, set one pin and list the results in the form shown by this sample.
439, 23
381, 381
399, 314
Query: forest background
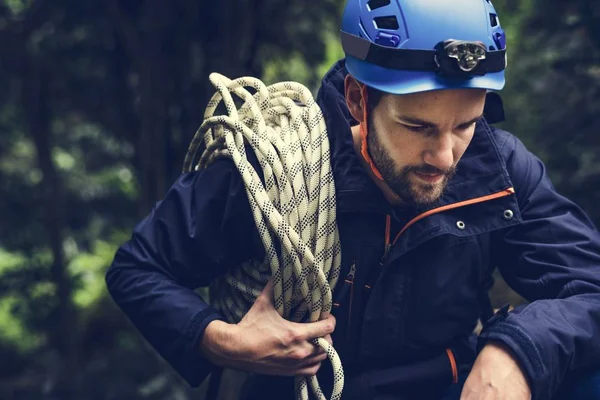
98, 103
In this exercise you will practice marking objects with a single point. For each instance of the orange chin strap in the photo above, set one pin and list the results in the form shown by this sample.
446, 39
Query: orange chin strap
363, 135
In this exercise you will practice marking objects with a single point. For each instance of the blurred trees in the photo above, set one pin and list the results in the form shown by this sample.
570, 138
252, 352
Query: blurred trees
98, 102
553, 96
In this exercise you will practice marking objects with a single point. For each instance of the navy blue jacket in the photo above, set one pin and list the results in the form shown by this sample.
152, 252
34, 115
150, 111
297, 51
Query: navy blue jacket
404, 321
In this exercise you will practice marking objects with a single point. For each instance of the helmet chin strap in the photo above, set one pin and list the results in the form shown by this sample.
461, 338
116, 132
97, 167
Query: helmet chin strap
364, 151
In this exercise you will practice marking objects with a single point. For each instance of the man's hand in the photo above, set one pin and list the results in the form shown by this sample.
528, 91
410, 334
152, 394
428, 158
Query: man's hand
496, 376
265, 343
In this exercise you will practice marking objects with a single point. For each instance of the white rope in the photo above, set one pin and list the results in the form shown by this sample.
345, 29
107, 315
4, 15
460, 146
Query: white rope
294, 208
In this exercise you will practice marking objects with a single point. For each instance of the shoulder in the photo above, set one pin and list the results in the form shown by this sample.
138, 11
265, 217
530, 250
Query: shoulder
525, 169
507, 143
202, 203
216, 180
220, 181
202, 217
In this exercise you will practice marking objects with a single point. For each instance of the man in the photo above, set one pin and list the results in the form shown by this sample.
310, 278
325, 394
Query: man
430, 199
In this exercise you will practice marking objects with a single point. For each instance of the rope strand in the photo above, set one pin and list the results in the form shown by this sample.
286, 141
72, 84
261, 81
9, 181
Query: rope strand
295, 207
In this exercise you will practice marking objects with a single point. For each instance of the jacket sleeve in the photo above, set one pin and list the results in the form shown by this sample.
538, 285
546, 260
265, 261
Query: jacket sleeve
201, 228
552, 259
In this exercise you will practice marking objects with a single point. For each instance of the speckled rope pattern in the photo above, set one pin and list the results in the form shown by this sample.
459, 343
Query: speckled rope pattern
295, 207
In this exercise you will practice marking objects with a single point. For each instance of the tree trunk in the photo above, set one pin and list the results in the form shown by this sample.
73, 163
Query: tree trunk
63, 329
145, 39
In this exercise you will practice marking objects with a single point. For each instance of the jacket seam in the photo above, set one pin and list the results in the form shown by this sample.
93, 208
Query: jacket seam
501, 146
501, 161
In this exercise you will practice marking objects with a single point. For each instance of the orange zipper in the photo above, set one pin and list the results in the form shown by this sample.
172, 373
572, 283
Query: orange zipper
453, 365
388, 246
388, 226
504, 193
350, 280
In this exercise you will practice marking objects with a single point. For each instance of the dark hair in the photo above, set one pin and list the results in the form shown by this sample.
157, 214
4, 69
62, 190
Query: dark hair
374, 96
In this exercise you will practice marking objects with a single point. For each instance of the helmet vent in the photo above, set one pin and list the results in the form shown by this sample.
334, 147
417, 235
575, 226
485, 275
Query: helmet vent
375, 4
494, 20
390, 22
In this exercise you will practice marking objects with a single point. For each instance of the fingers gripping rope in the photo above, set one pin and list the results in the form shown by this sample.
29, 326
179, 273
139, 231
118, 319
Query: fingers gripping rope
295, 207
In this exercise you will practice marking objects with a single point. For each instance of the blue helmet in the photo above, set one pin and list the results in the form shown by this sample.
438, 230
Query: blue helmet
410, 46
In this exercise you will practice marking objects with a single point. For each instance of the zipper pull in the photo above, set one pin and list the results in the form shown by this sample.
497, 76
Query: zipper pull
388, 244
385, 253
340, 297
350, 276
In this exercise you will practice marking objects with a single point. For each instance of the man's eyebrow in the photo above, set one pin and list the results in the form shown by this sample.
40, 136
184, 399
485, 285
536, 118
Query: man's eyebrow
417, 121
427, 124
471, 122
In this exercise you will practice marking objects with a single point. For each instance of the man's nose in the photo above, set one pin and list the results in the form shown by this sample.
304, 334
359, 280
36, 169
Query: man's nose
440, 153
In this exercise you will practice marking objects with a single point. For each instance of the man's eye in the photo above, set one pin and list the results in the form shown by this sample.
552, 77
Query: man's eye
415, 128
466, 126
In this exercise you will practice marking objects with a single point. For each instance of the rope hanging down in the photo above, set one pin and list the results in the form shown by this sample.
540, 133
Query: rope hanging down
294, 208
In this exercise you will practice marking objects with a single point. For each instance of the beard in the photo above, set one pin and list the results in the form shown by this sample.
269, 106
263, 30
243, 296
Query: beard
410, 191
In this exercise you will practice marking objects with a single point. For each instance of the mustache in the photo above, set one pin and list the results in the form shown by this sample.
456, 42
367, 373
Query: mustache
430, 170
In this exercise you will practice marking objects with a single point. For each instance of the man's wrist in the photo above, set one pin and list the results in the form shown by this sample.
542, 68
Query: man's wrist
218, 343
494, 348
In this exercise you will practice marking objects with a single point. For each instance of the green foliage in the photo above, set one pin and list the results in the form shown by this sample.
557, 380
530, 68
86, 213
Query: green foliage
98, 102
333, 53
12, 329
88, 269
17, 7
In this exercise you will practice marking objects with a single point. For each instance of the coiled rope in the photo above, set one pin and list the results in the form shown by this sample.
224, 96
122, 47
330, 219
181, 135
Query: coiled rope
295, 207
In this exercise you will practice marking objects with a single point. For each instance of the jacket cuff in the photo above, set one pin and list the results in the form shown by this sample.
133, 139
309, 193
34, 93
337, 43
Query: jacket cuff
193, 367
524, 350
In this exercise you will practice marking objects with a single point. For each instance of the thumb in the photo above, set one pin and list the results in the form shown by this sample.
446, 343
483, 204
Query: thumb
268, 289
266, 296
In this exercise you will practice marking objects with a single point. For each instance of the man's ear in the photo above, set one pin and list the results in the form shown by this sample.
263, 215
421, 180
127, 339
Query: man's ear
353, 94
